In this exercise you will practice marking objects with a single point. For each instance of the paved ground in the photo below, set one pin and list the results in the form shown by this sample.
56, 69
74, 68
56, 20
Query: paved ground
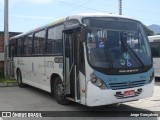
32, 99
152, 103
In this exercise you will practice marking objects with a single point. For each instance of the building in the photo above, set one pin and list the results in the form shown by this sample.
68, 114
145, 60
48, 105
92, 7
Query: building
11, 34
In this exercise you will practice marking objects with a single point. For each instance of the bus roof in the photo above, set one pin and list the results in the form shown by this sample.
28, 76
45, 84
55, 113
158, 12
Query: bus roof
78, 17
84, 15
154, 38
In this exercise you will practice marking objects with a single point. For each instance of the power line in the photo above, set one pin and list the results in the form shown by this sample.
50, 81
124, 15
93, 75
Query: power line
76, 7
124, 8
141, 19
80, 6
104, 3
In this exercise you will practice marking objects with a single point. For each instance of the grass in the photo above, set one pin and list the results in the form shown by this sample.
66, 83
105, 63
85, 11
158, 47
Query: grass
3, 79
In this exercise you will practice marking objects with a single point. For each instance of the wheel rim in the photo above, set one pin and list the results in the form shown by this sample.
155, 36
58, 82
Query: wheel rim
59, 89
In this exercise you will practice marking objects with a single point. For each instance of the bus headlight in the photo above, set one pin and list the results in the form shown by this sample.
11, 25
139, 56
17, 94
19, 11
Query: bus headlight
93, 80
151, 78
97, 82
100, 84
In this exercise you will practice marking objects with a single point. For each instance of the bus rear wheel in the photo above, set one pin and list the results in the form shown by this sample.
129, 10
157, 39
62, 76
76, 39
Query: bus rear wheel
19, 79
59, 92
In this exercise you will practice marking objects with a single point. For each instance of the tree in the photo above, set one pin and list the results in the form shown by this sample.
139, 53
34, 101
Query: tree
148, 31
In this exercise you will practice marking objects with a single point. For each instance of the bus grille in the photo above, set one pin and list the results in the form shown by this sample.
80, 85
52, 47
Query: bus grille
124, 85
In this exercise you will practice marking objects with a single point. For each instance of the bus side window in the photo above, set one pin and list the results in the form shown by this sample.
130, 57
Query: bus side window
39, 42
58, 46
27, 45
19, 47
50, 41
54, 40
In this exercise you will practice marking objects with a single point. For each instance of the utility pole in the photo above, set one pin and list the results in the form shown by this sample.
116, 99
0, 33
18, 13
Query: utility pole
120, 7
6, 38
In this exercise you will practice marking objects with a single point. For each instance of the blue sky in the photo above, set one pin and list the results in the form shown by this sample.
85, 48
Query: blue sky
25, 15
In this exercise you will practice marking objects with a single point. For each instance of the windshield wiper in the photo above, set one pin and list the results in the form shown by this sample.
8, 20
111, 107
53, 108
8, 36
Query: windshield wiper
127, 47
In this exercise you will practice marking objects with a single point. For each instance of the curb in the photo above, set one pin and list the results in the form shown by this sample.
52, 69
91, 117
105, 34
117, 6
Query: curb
8, 84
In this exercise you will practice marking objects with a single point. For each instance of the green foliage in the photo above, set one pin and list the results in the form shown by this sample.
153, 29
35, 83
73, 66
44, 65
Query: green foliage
148, 31
3, 79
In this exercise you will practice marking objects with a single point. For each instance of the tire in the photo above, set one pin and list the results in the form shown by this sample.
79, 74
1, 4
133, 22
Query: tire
19, 79
59, 92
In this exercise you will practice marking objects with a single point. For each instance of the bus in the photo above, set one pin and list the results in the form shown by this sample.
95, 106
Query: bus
91, 59
155, 48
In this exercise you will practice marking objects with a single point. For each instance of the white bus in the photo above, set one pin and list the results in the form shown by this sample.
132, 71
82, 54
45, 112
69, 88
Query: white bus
92, 59
155, 48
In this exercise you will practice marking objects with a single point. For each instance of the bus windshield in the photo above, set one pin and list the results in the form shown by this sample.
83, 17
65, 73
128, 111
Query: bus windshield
116, 43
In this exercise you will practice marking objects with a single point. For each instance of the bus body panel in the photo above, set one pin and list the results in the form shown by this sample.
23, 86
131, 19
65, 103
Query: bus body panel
44, 69
37, 71
82, 79
155, 47
122, 81
156, 65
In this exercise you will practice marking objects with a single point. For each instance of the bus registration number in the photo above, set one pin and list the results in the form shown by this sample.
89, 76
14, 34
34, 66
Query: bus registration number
129, 93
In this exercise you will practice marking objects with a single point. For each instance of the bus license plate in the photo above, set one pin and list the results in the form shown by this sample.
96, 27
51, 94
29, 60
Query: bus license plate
129, 92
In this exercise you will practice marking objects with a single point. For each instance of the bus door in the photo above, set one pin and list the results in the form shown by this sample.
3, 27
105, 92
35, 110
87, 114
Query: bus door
71, 77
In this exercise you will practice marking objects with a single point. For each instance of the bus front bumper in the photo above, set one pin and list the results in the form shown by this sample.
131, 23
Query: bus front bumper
98, 97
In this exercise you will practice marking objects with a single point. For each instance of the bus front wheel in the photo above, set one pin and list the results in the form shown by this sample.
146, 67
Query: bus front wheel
19, 79
59, 92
